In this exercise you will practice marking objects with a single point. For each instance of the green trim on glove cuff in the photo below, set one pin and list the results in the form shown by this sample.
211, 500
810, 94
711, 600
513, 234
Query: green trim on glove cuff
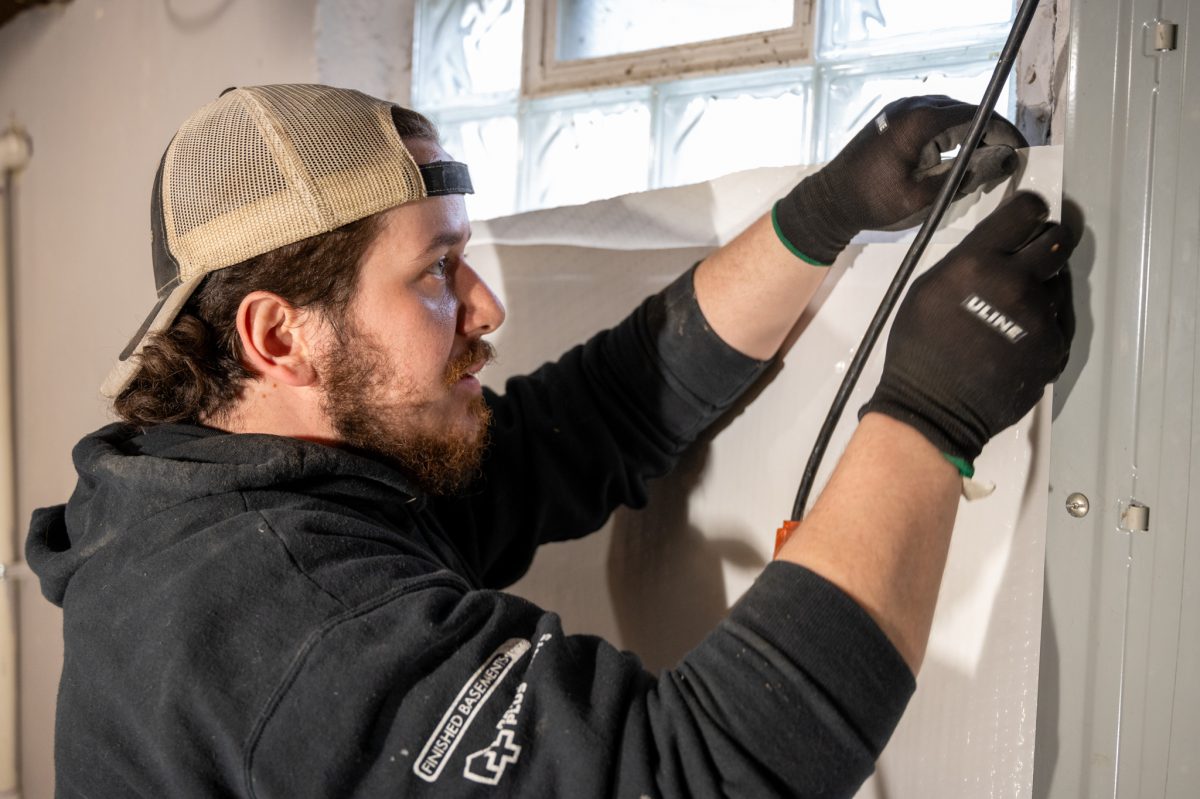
791, 247
964, 467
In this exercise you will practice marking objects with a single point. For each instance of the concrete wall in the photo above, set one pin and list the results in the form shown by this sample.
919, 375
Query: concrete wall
101, 85
367, 45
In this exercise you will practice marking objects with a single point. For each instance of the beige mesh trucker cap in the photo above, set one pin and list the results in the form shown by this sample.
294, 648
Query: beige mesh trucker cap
266, 166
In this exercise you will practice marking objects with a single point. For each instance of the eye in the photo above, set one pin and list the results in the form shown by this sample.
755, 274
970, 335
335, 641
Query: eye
439, 269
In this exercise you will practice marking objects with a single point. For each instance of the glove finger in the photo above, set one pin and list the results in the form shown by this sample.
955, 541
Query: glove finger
951, 128
1064, 304
923, 125
957, 121
1064, 320
993, 158
988, 163
1013, 224
905, 104
953, 135
936, 100
1000, 131
1046, 253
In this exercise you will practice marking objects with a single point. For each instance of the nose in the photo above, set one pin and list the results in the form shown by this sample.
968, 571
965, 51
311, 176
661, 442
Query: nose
479, 309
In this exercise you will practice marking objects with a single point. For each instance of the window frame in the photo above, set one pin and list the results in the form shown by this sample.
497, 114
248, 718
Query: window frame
544, 74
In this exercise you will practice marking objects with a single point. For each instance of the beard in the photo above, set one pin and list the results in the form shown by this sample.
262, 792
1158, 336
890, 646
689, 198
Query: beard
370, 413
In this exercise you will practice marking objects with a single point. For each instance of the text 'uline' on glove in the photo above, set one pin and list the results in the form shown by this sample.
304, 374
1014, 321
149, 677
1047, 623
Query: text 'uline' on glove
977, 337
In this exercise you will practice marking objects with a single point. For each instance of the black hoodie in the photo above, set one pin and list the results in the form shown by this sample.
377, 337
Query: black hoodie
252, 615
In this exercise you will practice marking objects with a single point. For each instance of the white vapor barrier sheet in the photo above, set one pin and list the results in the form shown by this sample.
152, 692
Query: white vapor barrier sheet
654, 581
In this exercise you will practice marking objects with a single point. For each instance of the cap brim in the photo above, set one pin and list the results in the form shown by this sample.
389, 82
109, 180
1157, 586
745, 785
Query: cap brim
160, 318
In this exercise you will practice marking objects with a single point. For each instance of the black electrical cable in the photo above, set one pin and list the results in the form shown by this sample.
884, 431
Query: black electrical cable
999, 77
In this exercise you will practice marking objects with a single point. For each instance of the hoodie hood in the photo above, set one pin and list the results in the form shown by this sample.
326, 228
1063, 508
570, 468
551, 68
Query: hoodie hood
127, 475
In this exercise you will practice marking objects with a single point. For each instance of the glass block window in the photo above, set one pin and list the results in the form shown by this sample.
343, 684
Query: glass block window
711, 127
869, 27
491, 145
530, 152
467, 53
586, 147
590, 29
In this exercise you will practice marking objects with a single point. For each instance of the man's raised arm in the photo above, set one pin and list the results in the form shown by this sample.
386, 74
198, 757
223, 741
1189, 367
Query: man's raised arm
973, 346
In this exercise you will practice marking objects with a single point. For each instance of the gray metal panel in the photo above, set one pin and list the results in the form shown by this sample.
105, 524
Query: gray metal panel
1118, 696
1183, 767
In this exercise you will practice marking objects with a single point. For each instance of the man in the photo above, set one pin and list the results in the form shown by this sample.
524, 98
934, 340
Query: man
280, 573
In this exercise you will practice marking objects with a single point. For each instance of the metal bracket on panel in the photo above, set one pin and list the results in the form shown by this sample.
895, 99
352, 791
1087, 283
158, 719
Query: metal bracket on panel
1134, 516
1164, 36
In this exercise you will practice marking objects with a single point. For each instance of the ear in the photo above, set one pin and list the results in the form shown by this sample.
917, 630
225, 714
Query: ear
278, 340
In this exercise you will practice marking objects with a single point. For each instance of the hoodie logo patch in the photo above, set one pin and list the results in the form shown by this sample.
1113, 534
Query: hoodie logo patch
1002, 324
488, 764
465, 708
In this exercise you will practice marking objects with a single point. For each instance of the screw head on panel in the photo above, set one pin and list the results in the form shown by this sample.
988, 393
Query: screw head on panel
1078, 505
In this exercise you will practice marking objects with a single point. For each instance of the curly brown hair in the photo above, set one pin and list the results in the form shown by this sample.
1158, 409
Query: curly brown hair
195, 370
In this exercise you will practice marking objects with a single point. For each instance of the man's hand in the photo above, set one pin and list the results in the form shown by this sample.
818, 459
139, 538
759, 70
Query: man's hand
889, 174
978, 336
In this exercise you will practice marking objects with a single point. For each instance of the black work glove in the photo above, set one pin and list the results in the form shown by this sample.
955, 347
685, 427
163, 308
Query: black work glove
889, 174
978, 336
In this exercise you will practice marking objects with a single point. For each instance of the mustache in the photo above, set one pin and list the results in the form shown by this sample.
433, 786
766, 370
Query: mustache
460, 366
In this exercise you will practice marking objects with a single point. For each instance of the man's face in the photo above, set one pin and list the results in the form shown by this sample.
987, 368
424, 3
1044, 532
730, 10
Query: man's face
398, 376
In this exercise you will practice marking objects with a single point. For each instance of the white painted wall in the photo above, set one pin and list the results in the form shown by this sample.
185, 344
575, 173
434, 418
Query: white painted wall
101, 85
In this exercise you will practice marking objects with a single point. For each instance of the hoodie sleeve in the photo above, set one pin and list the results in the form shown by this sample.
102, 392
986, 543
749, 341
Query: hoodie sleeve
581, 436
440, 691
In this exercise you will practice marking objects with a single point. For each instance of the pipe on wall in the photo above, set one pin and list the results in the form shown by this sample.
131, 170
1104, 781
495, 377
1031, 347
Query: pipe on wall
15, 151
